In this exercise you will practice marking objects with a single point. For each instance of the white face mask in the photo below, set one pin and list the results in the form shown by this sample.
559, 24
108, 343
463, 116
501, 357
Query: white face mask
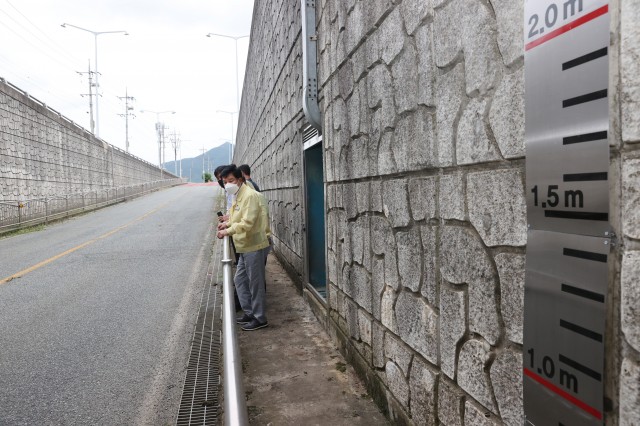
231, 188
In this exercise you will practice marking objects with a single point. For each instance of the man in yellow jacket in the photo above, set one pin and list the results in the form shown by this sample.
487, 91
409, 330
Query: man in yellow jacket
247, 228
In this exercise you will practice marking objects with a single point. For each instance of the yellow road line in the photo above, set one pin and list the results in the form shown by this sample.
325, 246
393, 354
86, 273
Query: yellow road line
76, 248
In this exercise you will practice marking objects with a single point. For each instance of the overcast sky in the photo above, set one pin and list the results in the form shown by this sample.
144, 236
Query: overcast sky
166, 63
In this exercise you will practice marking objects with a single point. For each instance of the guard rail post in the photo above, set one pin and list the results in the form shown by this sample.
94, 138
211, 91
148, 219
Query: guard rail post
235, 406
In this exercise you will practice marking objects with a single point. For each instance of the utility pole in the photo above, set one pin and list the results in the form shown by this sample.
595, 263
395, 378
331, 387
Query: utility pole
126, 114
90, 95
162, 141
164, 145
175, 142
203, 151
97, 85
160, 131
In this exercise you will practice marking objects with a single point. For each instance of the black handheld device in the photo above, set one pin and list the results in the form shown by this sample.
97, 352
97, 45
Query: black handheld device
219, 214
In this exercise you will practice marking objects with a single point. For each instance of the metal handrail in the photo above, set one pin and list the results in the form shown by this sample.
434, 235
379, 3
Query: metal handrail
235, 405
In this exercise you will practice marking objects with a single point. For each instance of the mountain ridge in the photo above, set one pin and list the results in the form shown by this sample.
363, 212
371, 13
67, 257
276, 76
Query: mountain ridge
192, 168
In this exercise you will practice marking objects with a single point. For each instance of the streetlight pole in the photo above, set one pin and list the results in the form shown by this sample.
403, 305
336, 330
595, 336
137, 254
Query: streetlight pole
95, 45
160, 132
235, 38
230, 147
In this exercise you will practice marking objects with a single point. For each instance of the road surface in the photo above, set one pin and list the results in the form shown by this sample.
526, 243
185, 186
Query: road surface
97, 312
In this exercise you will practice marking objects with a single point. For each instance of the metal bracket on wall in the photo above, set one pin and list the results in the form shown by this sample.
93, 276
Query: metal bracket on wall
310, 65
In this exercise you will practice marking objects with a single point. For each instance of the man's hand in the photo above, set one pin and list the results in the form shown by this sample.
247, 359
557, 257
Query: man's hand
223, 233
222, 226
223, 218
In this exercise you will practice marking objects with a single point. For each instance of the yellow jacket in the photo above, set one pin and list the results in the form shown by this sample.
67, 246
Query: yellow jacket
265, 214
265, 209
247, 221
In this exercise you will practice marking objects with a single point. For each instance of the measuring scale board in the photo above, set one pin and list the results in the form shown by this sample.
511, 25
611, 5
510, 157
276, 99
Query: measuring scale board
568, 244
567, 115
563, 355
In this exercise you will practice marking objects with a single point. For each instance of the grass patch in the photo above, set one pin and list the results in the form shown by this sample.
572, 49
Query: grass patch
22, 231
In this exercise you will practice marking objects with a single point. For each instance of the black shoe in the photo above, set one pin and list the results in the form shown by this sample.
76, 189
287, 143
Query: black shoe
255, 325
244, 319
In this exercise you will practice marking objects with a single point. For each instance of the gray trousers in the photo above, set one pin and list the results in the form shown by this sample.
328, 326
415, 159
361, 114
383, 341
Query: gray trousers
249, 282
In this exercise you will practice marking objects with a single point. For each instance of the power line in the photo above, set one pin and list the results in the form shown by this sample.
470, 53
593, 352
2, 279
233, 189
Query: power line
44, 52
45, 46
16, 74
45, 41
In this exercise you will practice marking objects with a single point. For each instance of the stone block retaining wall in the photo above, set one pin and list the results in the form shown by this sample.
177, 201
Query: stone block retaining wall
43, 154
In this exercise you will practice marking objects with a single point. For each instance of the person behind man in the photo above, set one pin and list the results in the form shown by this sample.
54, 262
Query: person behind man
247, 228
246, 174
216, 173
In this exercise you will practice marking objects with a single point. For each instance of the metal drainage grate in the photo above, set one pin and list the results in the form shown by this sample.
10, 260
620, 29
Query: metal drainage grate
200, 404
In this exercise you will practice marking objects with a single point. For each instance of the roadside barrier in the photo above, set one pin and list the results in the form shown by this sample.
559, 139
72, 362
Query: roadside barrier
22, 213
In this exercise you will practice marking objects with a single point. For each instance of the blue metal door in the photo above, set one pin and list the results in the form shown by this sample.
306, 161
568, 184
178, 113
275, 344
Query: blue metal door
314, 184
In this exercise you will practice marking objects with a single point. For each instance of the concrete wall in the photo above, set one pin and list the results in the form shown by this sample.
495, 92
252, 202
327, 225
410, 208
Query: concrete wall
423, 107
44, 154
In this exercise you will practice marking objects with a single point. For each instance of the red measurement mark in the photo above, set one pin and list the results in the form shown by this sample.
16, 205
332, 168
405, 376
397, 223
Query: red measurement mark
568, 27
572, 399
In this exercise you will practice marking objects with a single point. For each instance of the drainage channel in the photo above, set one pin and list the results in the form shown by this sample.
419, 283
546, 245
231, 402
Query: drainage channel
200, 404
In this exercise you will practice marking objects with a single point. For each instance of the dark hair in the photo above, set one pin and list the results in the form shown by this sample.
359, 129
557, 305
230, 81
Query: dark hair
245, 169
218, 170
231, 170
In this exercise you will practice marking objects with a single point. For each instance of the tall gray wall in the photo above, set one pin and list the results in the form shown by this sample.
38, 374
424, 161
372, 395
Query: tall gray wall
423, 107
44, 154
269, 121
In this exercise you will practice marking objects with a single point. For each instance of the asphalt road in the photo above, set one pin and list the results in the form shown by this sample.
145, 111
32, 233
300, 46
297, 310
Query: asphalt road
96, 329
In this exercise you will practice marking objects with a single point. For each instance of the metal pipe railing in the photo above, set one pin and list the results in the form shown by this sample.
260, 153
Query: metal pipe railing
235, 405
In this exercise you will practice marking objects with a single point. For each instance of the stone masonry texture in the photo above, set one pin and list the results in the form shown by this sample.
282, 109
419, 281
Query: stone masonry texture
424, 158
42, 154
